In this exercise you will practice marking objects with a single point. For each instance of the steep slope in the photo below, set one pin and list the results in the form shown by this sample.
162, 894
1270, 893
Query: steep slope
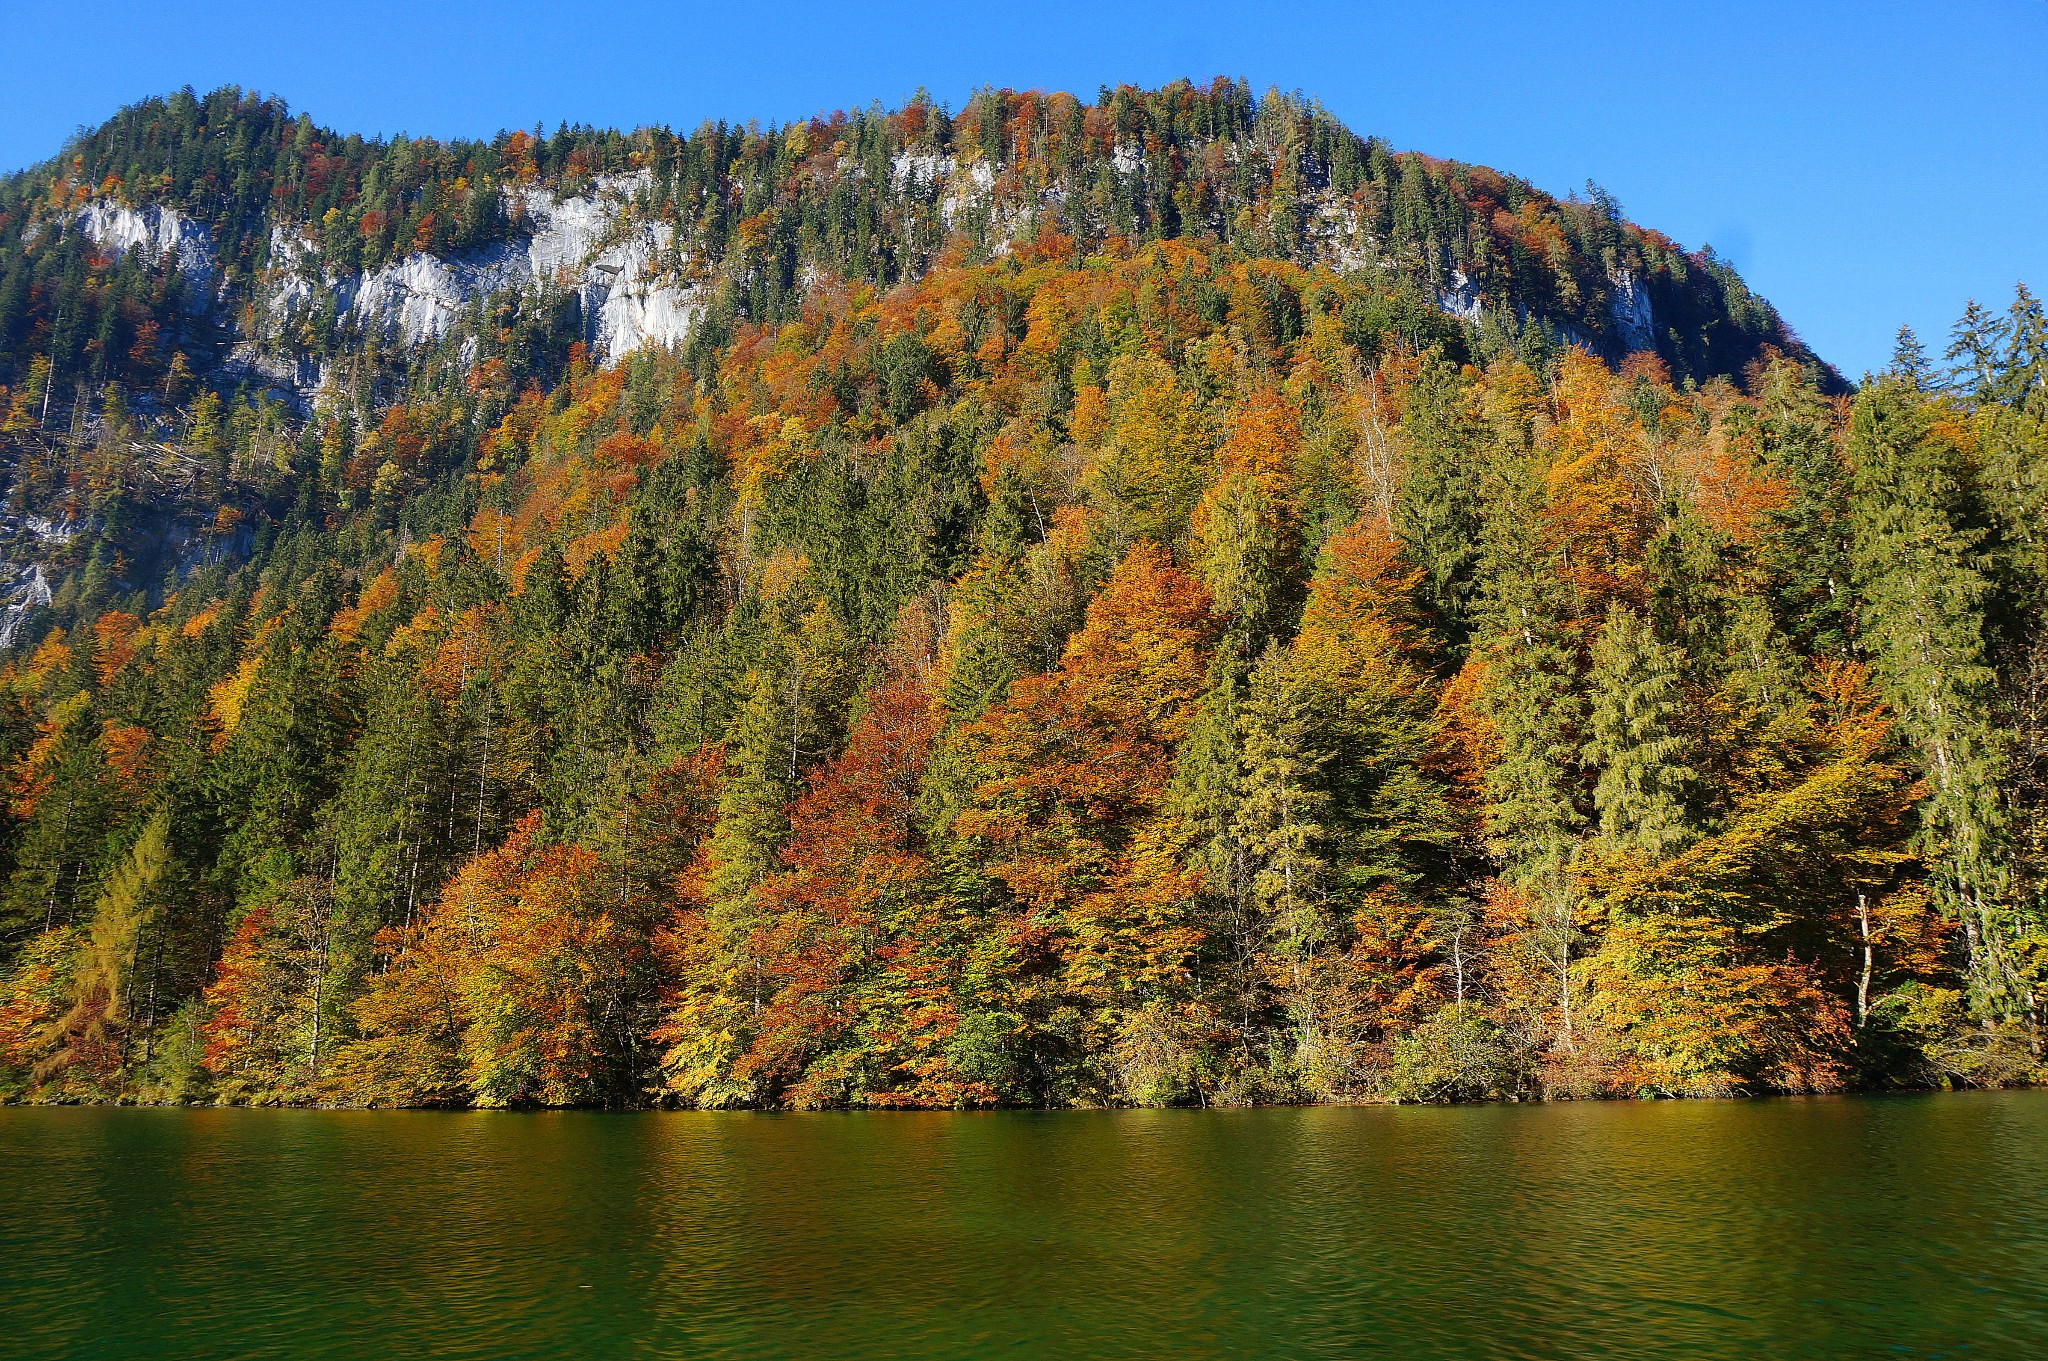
220, 244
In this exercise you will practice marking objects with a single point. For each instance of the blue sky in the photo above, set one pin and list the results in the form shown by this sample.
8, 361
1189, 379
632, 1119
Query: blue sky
1863, 164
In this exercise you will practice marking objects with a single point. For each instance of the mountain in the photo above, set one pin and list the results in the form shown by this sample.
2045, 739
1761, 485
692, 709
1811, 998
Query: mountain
221, 244
1147, 601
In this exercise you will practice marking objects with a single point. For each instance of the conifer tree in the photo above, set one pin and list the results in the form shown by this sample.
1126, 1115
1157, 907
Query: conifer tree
94, 1034
1917, 547
1909, 360
1633, 741
989, 644
1805, 539
1974, 349
1282, 816
1438, 513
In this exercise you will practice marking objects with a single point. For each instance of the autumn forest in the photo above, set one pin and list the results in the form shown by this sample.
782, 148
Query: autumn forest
1159, 601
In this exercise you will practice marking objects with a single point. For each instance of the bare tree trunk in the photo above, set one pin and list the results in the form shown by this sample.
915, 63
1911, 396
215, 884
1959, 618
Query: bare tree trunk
319, 989
1458, 963
1863, 982
63, 834
156, 961
483, 771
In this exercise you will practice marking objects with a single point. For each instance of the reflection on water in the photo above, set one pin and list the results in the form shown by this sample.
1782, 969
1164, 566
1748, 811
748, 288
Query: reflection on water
1910, 1226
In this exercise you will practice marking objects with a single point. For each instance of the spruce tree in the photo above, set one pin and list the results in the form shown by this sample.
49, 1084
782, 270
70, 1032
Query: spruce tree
1281, 819
1918, 560
1438, 512
1634, 745
1909, 359
1805, 538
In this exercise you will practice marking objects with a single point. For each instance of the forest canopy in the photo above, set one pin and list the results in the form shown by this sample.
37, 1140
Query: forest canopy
1130, 660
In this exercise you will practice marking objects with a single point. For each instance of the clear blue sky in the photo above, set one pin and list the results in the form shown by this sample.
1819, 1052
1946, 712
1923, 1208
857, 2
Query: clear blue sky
1863, 164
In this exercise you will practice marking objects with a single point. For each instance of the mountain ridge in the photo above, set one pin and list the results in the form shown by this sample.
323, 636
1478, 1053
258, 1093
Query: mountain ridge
1276, 176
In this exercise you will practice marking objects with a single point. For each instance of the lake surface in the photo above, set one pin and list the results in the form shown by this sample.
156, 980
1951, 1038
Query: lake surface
1899, 1226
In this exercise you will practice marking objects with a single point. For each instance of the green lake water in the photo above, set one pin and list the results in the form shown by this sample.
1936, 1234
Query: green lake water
1880, 1227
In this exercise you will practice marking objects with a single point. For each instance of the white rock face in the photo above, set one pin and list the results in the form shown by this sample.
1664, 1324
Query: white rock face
418, 296
919, 172
164, 233
930, 176
1338, 238
422, 296
31, 589
567, 233
969, 189
1461, 298
1635, 324
584, 244
52, 531
23, 586
634, 303
289, 283
588, 245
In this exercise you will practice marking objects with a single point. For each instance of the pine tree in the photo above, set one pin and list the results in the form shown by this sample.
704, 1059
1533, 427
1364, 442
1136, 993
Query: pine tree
1531, 703
1206, 793
1909, 360
989, 643
1805, 540
1438, 511
1974, 346
1633, 743
1281, 820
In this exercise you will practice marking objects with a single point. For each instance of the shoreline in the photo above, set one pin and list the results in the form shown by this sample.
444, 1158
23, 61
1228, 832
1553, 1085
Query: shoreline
886, 1110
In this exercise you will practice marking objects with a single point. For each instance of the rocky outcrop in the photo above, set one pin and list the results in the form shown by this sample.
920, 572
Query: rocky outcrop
628, 288
164, 233
1461, 298
420, 298
1628, 309
31, 588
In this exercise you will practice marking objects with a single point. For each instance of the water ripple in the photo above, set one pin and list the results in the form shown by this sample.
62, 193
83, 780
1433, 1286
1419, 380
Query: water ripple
1909, 1227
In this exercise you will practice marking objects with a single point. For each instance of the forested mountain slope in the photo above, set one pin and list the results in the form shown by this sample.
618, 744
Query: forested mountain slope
184, 287
1153, 601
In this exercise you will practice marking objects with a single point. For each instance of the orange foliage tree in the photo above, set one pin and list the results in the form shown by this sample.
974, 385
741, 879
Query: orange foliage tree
505, 994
